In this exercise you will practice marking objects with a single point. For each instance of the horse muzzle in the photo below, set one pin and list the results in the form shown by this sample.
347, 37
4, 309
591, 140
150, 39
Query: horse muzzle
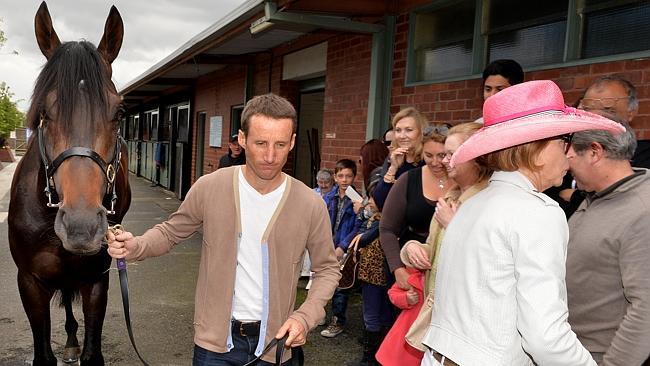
81, 230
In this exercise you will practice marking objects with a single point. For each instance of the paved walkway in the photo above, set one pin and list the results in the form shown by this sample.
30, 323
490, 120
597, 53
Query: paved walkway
162, 298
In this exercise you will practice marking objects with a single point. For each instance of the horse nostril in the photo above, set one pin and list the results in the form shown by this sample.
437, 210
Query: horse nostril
64, 216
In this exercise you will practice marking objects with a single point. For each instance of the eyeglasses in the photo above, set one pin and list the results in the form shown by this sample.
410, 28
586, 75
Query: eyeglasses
599, 103
441, 129
567, 139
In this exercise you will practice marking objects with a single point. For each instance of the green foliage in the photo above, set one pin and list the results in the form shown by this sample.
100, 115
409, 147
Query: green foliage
10, 116
3, 39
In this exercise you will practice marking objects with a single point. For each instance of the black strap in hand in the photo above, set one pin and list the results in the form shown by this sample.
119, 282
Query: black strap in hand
297, 356
124, 286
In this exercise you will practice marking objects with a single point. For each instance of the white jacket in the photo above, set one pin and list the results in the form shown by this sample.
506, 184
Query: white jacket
500, 295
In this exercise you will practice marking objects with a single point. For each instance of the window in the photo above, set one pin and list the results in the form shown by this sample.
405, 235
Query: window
136, 128
453, 39
183, 123
533, 35
235, 118
443, 41
611, 30
151, 123
146, 127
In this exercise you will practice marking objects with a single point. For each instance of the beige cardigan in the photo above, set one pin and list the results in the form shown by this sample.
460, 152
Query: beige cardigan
300, 221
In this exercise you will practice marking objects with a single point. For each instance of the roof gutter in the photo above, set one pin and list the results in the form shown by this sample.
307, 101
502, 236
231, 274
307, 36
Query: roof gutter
223, 25
273, 16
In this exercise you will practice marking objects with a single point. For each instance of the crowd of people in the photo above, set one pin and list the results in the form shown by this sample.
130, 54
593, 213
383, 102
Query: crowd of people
489, 252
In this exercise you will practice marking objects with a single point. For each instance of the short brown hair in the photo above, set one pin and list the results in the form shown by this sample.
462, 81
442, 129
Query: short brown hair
346, 164
517, 157
269, 105
430, 134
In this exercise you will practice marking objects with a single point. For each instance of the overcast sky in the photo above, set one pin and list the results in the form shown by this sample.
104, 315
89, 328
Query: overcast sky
152, 30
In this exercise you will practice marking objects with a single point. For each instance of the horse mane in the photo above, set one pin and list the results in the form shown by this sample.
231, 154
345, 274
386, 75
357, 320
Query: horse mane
72, 62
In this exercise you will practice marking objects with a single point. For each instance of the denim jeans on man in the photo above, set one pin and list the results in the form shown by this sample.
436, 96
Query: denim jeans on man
238, 356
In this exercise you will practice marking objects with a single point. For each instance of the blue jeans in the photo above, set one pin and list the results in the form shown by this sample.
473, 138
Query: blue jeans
378, 311
244, 347
340, 305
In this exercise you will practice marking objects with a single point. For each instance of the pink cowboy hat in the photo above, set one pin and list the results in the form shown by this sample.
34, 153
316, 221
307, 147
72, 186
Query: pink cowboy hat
524, 113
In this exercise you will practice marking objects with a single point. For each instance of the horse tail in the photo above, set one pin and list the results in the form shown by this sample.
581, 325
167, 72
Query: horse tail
67, 296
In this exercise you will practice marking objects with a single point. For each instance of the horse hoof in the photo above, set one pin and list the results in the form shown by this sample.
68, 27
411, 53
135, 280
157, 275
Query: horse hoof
71, 354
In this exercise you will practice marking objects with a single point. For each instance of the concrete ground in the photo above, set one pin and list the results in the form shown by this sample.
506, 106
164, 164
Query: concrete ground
162, 299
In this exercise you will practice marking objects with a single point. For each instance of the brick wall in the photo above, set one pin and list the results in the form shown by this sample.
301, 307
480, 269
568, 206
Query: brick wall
215, 94
461, 101
346, 97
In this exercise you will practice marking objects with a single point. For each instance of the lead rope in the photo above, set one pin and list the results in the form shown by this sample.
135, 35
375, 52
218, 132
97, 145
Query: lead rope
124, 287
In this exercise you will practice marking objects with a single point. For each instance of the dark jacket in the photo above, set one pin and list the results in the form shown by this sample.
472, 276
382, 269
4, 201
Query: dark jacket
349, 224
228, 160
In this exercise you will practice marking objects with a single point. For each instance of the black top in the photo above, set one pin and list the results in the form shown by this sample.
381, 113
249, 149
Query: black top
419, 210
228, 160
641, 158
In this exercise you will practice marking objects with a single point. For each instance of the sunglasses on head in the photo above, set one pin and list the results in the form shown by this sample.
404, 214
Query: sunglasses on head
441, 129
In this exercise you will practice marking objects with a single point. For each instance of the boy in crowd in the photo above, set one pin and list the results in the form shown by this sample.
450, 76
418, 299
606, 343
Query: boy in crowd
344, 227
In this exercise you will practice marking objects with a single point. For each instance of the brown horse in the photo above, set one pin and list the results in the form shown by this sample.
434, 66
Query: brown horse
74, 166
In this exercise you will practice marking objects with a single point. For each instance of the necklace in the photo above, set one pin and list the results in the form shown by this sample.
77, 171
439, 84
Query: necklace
441, 183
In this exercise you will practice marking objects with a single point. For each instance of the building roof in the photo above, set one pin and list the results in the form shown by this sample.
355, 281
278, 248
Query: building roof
230, 39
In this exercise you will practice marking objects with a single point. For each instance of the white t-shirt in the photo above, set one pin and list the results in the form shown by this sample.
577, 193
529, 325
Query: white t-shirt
256, 211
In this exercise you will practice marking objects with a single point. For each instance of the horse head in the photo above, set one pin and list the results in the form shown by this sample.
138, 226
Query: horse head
76, 110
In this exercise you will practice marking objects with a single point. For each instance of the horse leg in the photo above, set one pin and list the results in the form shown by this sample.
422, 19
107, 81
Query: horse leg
72, 350
94, 297
36, 302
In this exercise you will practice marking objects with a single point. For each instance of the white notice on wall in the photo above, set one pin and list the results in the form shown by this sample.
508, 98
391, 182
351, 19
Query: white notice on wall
216, 127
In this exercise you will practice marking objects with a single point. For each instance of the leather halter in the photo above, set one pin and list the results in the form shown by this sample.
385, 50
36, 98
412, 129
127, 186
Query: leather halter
110, 169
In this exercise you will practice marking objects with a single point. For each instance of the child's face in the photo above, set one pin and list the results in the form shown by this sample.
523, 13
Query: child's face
372, 205
344, 178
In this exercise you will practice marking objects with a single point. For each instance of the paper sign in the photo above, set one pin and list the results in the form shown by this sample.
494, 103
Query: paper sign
216, 126
353, 195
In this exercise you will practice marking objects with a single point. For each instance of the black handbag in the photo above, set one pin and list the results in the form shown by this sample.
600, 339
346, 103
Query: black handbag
350, 265
297, 355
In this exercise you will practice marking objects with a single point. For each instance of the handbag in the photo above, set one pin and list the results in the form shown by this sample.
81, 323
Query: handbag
297, 354
420, 325
350, 265
371, 264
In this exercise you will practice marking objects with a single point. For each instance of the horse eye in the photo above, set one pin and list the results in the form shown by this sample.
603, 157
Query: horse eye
120, 113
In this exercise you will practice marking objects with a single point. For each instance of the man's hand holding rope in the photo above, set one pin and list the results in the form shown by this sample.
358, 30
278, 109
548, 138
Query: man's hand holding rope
121, 244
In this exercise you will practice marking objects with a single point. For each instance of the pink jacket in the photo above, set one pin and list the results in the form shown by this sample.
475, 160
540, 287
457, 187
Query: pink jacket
394, 350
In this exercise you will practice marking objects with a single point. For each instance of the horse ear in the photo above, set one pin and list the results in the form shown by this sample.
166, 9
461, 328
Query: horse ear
111, 41
46, 36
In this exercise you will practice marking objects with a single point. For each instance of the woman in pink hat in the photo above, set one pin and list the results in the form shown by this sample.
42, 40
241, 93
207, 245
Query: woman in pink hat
500, 290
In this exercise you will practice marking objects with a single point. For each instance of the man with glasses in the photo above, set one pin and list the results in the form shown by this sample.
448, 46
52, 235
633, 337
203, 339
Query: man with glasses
615, 96
608, 253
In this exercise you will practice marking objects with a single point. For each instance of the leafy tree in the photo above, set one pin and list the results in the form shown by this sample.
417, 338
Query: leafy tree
10, 116
3, 39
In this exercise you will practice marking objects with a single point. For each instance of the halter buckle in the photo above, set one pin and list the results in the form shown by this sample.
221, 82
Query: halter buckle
110, 174
112, 210
49, 200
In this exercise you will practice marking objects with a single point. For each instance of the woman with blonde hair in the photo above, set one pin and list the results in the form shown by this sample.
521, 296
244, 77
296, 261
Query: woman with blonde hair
411, 203
500, 292
405, 150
